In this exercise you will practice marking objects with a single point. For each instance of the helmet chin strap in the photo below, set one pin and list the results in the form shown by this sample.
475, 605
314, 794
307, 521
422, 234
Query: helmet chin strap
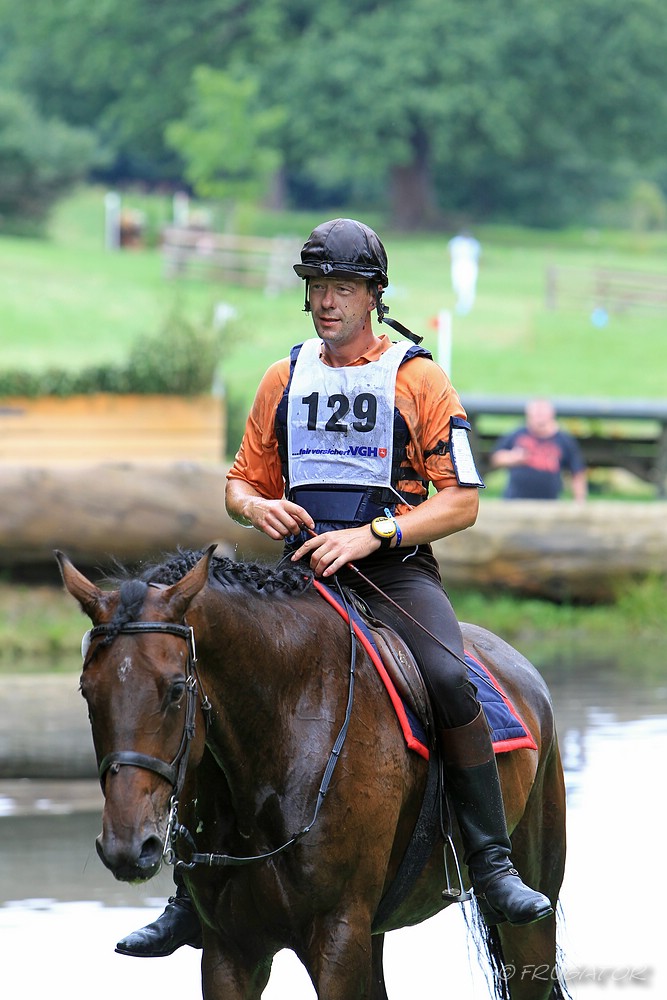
395, 325
382, 311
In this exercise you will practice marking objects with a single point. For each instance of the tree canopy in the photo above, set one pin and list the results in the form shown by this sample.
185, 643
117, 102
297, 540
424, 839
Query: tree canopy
501, 108
39, 160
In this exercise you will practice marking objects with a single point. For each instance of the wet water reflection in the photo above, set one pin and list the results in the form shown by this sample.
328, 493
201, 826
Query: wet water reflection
61, 911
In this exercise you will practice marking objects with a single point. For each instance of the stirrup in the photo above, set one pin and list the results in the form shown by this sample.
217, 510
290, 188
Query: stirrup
453, 893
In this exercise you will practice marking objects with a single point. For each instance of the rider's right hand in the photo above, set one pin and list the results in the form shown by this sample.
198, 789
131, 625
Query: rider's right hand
277, 518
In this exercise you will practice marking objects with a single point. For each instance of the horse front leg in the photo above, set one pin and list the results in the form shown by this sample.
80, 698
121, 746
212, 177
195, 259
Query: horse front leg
341, 959
228, 974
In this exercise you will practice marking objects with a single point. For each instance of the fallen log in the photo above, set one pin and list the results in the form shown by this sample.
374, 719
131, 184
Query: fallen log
132, 512
121, 511
44, 728
560, 550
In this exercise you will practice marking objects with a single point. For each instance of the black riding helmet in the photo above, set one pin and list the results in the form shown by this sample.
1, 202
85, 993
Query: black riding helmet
345, 248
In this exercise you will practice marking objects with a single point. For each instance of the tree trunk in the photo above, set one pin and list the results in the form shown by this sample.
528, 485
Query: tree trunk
560, 550
413, 201
126, 511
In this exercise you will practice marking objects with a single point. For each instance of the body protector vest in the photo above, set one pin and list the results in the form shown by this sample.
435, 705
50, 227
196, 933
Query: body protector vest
341, 438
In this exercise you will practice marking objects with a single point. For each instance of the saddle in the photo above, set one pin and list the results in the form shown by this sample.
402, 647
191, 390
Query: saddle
407, 691
403, 671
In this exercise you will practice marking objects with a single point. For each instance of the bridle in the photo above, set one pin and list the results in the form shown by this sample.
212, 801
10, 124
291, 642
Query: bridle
175, 772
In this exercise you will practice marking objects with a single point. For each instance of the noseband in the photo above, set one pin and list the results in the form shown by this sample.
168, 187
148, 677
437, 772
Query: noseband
174, 772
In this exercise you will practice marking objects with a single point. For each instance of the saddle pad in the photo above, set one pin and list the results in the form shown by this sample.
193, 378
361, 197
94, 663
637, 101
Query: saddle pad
508, 731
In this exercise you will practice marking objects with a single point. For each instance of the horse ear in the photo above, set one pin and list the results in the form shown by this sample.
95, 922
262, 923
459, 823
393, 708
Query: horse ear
90, 597
179, 596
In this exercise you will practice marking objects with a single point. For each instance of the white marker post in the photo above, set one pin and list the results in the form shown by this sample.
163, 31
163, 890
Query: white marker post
181, 209
112, 220
444, 325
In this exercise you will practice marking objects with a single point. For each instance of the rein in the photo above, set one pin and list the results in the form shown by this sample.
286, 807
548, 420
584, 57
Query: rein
398, 607
226, 860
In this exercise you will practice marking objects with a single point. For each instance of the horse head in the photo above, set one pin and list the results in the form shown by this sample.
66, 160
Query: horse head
140, 686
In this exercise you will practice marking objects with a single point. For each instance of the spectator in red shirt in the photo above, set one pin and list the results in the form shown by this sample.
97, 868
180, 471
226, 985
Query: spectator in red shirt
536, 456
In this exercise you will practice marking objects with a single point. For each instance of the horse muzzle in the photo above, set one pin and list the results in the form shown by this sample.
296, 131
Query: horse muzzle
136, 860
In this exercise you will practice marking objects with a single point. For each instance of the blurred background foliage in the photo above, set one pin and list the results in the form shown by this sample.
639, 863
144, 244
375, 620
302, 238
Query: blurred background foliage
433, 113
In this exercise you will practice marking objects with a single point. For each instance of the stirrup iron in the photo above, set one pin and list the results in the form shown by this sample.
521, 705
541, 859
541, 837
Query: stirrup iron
453, 893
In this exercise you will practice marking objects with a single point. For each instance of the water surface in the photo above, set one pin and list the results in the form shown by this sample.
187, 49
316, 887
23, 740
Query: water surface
61, 911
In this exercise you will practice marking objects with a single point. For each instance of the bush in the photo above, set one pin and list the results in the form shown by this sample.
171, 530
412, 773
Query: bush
40, 159
180, 360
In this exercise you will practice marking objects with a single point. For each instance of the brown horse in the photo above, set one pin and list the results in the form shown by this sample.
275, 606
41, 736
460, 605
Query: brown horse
297, 794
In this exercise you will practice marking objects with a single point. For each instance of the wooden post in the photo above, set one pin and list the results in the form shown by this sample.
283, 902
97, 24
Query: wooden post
181, 209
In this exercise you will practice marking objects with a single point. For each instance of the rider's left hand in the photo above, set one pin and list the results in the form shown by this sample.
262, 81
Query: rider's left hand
332, 550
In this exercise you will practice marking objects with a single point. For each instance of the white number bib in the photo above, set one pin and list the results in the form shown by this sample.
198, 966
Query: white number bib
340, 421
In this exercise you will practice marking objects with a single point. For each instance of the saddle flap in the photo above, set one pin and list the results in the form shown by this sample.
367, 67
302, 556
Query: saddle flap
403, 670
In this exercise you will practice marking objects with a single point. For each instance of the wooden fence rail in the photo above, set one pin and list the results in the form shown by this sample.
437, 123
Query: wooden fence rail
241, 260
603, 288
109, 427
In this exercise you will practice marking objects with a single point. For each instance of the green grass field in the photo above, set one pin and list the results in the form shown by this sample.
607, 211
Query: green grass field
65, 301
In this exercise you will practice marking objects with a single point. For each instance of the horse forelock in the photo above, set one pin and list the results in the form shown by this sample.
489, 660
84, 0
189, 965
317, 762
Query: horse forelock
131, 597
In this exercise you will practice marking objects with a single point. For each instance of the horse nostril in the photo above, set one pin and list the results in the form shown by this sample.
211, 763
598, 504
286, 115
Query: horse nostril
151, 852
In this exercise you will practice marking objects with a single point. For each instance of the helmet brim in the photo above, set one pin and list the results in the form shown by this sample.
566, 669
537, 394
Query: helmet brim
328, 270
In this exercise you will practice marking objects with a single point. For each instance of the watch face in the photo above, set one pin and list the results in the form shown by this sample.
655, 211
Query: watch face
383, 527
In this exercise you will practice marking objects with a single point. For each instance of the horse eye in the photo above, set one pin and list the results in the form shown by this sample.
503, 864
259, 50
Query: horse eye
176, 691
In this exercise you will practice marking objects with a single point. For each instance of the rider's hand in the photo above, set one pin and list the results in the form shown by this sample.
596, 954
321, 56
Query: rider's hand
332, 550
277, 518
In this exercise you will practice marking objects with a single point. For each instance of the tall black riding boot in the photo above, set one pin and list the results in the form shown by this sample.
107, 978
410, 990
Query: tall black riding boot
176, 926
474, 790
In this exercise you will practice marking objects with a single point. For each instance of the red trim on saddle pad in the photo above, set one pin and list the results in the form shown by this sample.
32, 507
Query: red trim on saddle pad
411, 740
486, 679
515, 742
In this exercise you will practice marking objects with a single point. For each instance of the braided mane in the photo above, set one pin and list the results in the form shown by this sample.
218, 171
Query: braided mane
257, 577
288, 579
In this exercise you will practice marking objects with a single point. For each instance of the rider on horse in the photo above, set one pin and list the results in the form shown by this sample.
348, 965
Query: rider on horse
343, 442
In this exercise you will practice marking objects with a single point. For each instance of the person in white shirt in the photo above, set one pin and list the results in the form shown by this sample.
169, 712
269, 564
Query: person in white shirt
464, 252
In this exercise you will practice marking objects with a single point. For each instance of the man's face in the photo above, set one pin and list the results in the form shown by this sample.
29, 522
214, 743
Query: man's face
540, 417
340, 308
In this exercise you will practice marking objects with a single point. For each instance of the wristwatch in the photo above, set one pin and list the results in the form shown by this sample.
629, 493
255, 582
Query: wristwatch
384, 528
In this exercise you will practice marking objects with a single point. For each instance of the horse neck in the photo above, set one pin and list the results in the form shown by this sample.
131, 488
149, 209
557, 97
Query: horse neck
258, 663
